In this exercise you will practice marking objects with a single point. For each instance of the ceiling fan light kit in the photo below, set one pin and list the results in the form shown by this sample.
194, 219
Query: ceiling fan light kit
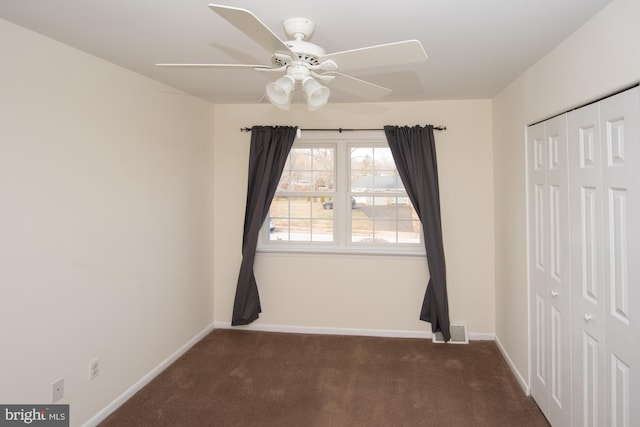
308, 68
316, 94
281, 91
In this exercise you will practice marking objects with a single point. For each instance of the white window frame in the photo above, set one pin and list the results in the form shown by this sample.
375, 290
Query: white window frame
342, 194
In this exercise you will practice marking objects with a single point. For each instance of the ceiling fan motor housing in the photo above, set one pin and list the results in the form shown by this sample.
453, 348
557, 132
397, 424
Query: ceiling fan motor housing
307, 52
299, 28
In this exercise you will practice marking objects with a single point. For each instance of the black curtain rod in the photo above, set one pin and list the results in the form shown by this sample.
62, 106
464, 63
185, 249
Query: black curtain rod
340, 130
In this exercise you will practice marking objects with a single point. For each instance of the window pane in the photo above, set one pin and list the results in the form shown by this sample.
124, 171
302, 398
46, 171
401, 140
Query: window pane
300, 230
377, 183
361, 230
300, 158
382, 219
278, 219
301, 219
409, 231
372, 159
322, 230
323, 169
373, 170
383, 159
323, 158
385, 230
300, 181
309, 170
361, 220
283, 185
361, 160
387, 183
361, 184
323, 181
279, 208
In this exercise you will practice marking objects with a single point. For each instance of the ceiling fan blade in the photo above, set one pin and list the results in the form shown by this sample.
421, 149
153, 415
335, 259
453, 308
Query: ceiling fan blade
356, 86
254, 67
253, 27
406, 52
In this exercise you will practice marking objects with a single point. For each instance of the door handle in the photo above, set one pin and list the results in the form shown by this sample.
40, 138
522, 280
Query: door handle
554, 293
588, 317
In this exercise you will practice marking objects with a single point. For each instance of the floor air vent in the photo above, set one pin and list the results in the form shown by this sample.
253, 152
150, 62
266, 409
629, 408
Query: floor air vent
458, 334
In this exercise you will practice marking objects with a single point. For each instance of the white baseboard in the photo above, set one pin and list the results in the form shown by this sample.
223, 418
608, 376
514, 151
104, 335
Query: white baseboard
388, 333
105, 412
481, 336
515, 370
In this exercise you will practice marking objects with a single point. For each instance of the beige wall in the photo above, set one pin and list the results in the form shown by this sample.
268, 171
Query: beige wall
601, 57
103, 223
112, 193
380, 293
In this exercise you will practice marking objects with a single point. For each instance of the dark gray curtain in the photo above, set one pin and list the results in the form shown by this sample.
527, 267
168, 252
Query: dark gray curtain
270, 147
414, 152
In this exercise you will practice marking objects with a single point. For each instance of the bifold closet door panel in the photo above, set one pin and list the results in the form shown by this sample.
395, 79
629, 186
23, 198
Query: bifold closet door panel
604, 184
559, 273
587, 276
538, 262
549, 260
620, 136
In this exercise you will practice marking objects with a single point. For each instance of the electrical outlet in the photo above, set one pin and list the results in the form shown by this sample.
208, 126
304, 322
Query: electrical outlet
94, 368
57, 390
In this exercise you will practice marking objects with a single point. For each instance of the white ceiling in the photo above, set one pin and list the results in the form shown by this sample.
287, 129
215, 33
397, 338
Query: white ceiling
475, 47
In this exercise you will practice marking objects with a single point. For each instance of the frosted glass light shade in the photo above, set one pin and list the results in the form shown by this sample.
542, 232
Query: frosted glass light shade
317, 95
280, 92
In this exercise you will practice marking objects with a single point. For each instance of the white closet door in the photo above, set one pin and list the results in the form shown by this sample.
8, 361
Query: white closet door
538, 262
559, 273
583, 171
588, 293
620, 135
604, 153
550, 269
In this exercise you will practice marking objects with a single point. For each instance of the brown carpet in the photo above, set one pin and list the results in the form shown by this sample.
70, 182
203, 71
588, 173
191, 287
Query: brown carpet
245, 378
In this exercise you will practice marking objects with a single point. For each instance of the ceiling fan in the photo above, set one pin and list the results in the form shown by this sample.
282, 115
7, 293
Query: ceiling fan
306, 65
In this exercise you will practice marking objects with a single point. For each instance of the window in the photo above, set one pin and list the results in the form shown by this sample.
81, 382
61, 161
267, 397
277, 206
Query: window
300, 208
342, 195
